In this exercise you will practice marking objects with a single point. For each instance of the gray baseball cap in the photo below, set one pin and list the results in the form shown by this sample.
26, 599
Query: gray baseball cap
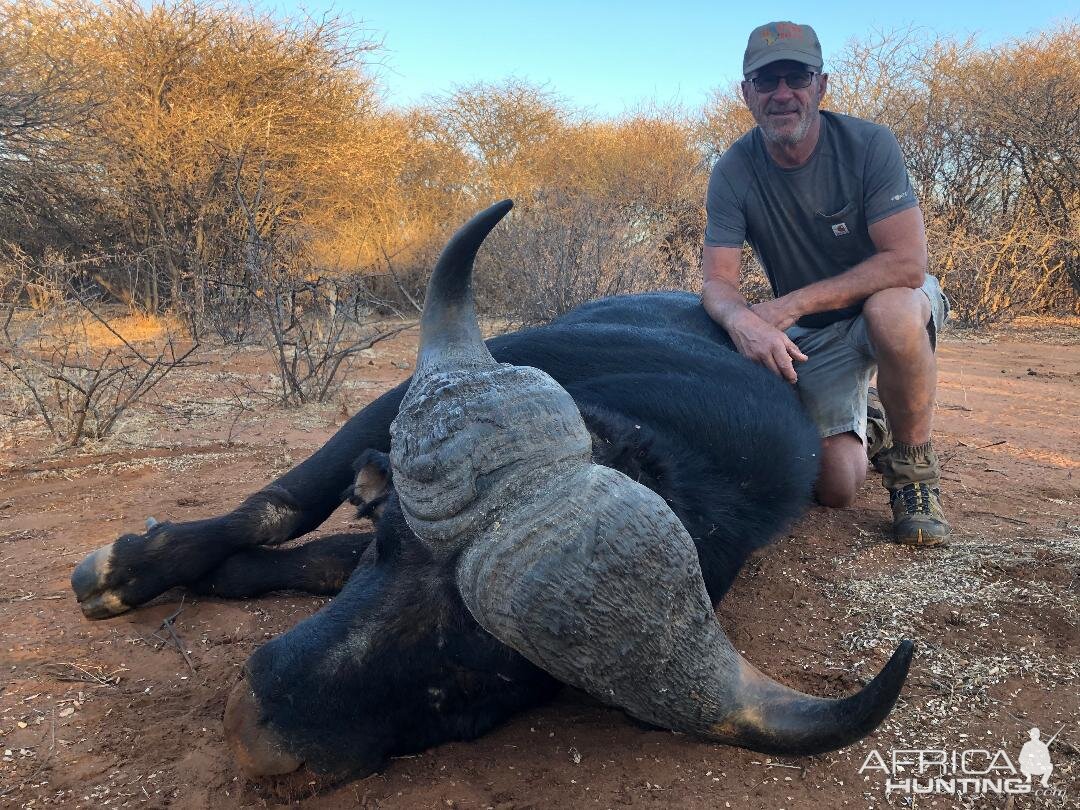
777, 41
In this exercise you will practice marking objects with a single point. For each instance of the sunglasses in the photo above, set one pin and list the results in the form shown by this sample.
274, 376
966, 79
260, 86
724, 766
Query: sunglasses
796, 80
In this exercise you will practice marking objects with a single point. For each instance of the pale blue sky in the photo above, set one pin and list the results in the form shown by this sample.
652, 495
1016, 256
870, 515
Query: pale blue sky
605, 56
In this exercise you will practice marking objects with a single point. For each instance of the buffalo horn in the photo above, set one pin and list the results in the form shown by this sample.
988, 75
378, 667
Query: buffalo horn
586, 573
449, 333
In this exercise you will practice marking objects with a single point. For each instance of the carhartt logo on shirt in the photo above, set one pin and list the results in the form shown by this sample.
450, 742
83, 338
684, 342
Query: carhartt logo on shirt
840, 229
898, 197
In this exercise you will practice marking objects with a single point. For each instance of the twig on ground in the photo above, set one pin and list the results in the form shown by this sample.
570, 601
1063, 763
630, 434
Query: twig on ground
779, 765
946, 458
171, 616
86, 676
1017, 521
167, 623
29, 596
180, 646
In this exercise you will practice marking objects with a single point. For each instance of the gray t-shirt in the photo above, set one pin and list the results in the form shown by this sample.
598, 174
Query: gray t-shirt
809, 223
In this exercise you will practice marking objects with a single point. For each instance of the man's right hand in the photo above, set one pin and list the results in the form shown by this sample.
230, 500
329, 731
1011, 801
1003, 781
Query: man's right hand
765, 344
753, 335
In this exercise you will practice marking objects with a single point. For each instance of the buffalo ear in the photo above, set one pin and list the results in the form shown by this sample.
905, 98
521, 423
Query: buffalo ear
373, 484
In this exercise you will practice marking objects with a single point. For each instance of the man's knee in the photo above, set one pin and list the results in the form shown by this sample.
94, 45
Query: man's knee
835, 494
896, 319
843, 470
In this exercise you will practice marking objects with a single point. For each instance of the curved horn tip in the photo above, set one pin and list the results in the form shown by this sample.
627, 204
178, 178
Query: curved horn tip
905, 648
482, 223
488, 218
449, 333
868, 708
896, 670
794, 724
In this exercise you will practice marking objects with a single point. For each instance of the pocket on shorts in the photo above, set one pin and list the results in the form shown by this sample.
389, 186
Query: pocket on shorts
838, 233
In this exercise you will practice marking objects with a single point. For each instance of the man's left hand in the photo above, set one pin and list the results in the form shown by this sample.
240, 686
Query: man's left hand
779, 312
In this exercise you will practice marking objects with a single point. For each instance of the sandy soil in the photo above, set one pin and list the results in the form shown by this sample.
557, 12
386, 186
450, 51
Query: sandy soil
106, 714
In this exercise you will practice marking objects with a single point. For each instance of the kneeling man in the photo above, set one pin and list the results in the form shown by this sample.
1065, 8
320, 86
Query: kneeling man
825, 202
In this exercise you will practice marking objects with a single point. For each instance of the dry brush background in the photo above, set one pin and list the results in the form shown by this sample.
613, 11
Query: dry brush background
240, 179
166, 156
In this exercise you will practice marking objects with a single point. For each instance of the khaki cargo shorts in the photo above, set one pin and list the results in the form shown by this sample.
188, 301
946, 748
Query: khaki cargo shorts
833, 382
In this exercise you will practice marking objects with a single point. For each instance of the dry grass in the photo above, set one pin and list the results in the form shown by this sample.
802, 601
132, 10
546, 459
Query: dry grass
967, 674
92, 335
135, 327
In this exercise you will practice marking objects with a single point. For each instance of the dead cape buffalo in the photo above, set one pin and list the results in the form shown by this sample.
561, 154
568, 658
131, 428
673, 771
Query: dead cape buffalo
563, 505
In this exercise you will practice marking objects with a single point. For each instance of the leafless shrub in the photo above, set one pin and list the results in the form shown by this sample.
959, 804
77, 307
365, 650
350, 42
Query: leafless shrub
314, 331
562, 251
48, 101
312, 319
994, 277
72, 361
229, 311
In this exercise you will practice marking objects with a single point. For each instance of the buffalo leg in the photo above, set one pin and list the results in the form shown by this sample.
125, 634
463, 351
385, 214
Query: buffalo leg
138, 567
319, 567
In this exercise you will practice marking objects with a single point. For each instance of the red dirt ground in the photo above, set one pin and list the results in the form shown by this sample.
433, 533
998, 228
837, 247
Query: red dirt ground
102, 714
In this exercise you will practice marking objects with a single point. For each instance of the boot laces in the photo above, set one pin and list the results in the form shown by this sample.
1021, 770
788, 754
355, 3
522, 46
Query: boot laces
916, 498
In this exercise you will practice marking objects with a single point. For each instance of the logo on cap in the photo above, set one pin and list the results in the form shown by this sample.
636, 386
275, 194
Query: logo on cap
778, 41
778, 31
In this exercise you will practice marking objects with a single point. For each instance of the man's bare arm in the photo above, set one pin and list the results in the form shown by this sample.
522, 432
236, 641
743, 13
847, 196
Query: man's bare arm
752, 336
721, 267
900, 261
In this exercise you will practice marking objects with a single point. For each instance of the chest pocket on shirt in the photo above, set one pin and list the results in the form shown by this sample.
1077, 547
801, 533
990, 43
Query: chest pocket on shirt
840, 235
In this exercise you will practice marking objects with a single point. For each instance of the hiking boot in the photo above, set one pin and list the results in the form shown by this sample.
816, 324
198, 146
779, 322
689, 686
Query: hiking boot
918, 519
878, 435
912, 475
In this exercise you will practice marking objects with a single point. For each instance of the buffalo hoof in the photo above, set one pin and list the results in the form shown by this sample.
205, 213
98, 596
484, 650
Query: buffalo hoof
125, 574
91, 582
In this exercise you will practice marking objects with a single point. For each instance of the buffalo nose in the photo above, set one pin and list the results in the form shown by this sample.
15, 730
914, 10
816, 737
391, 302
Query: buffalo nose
257, 749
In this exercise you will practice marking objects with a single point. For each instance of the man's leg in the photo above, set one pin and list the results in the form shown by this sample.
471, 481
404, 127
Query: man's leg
832, 386
907, 370
843, 470
900, 326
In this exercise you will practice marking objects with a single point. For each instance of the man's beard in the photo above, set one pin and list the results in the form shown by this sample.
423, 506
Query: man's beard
787, 138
